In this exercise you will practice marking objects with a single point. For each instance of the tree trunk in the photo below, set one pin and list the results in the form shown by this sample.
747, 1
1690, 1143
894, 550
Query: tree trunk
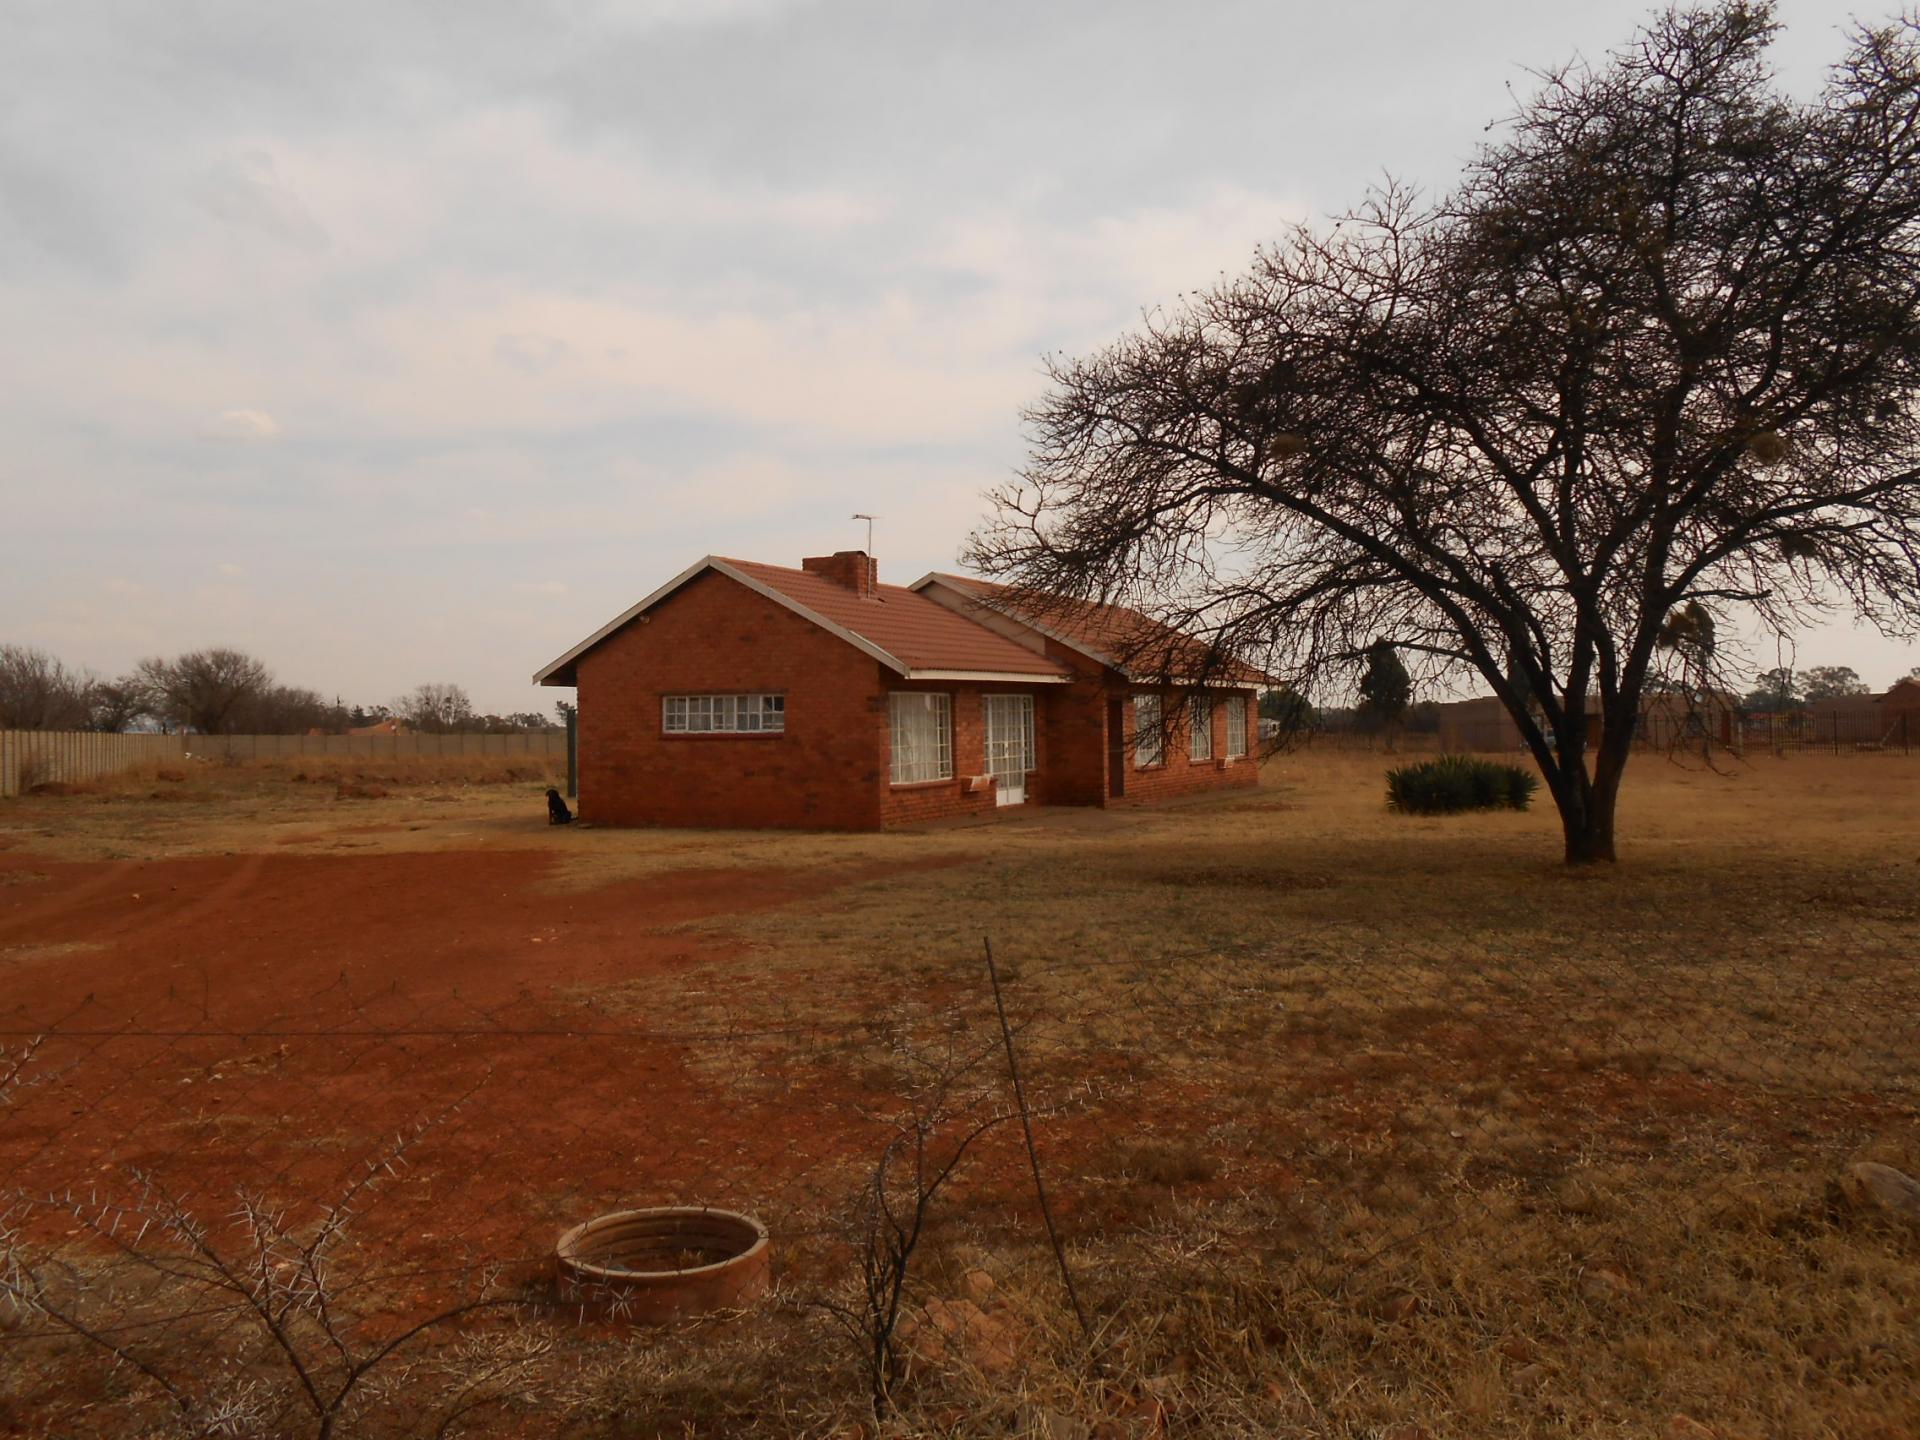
1589, 833
1587, 806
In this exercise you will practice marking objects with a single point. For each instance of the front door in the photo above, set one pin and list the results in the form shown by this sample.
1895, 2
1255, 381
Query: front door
1009, 746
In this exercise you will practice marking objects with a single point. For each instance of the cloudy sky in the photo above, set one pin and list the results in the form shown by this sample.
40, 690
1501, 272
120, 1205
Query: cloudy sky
412, 343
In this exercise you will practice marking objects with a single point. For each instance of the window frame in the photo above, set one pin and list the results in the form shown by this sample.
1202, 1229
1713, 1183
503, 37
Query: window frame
1239, 706
941, 710
709, 707
1199, 728
1029, 727
1149, 736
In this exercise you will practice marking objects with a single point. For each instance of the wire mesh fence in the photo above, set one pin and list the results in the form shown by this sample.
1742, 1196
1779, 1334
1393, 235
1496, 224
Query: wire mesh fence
1334, 1186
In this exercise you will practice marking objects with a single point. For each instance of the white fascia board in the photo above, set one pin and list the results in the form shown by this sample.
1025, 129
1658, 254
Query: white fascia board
710, 562
1013, 677
1193, 682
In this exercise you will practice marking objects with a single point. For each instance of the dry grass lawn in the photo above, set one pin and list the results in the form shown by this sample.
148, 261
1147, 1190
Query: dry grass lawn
1356, 1124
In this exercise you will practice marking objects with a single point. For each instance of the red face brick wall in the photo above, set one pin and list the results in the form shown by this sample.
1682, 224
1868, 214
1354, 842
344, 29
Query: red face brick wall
945, 799
830, 768
714, 636
1075, 723
1180, 775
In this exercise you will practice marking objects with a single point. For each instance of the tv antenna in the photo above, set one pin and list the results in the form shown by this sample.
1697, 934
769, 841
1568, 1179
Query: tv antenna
862, 515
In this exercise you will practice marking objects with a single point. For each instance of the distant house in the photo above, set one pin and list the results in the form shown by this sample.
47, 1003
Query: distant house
1892, 718
384, 727
1902, 700
745, 694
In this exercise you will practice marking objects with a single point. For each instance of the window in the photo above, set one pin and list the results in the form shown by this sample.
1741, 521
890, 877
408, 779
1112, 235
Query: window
1200, 728
723, 714
1149, 741
1237, 727
922, 726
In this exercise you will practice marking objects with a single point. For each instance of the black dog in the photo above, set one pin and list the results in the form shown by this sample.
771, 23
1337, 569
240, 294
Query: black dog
557, 811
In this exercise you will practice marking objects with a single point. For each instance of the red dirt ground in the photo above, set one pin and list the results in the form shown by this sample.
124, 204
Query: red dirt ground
270, 1022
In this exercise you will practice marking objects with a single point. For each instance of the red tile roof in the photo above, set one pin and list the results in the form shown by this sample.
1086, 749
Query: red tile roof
1113, 634
920, 633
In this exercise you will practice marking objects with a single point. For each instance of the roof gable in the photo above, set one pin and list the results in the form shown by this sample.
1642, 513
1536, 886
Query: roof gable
896, 626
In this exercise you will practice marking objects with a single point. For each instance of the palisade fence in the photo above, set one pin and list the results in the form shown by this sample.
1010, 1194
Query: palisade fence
1858, 730
37, 757
1337, 1186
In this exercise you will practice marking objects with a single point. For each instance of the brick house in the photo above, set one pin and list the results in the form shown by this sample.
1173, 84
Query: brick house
743, 694
1900, 706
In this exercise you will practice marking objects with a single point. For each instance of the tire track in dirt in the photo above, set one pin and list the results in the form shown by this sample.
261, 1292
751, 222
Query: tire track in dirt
352, 996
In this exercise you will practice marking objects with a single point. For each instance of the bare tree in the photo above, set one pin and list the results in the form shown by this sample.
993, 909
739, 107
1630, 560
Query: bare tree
435, 708
250, 1323
113, 705
38, 692
281, 710
204, 690
1659, 349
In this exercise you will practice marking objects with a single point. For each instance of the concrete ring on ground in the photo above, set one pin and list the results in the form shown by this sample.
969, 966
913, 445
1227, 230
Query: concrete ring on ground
665, 1264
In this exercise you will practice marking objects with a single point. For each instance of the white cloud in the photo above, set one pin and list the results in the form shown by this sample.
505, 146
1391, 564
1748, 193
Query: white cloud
247, 190
241, 425
531, 353
542, 587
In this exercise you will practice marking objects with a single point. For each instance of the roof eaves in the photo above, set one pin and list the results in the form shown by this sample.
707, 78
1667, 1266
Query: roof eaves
985, 602
1255, 676
1018, 677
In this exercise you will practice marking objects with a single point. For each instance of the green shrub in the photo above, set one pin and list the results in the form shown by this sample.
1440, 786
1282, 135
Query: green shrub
1459, 782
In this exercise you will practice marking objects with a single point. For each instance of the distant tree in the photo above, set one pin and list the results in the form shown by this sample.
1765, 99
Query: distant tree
1774, 691
435, 708
114, 705
1386, 690
1290, 711
205, 691
1660, 347
565, 710
1832, 682
38, 692
281, 710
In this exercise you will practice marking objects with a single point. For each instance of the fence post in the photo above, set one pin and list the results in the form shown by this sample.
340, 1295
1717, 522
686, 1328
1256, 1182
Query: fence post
1836, 732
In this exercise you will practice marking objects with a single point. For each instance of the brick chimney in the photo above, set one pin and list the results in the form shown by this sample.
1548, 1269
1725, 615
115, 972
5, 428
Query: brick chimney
855, 569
